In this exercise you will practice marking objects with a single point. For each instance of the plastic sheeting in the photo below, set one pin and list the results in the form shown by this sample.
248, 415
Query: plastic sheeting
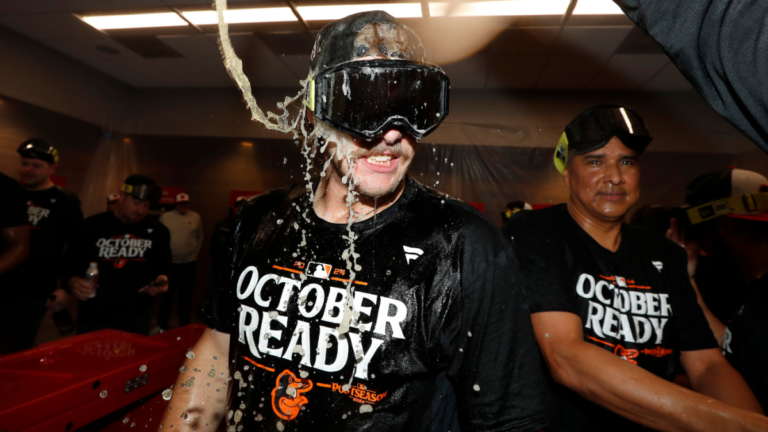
114, 161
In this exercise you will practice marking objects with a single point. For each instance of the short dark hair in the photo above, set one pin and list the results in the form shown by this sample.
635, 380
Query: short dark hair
516, 205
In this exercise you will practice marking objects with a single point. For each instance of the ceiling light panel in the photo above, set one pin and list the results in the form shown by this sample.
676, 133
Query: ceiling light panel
329, 13
597, 7
500, 8
112, 22
237, 16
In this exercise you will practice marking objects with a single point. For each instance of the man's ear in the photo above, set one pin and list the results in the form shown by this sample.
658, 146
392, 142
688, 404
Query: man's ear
566, 178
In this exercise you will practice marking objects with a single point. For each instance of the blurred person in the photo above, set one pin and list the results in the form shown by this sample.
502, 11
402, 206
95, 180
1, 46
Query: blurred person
612, 306
54, 216
512, 208
186, 229
308, 279
220, 239
16, 332
133, 256
112, 201
728, 212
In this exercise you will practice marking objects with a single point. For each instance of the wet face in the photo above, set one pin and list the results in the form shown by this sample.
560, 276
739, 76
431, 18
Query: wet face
182, 207
35, 172
604, 183
380, 164
130, 209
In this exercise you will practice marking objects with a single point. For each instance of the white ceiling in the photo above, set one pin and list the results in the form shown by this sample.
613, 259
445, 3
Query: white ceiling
605, 57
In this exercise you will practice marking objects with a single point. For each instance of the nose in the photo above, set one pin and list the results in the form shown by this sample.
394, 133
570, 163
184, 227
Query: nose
613, 175
392, 136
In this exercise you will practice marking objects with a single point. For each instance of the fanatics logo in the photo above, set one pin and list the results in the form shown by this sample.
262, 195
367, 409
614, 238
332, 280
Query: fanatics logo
318, 270
658, 264
412, 253
53, 200
149, 230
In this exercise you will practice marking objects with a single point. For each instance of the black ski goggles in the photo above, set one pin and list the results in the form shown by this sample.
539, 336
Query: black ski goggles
366, 98
148, 192
38, 149
593, 129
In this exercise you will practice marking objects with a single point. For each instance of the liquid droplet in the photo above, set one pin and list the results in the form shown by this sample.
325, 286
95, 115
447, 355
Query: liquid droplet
103, 394
167, 394
143, 368
190, 355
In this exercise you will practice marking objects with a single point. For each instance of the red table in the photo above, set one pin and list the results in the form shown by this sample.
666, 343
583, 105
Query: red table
102, 381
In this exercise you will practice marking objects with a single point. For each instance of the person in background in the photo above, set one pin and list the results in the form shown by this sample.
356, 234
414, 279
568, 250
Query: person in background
512, 208
112, 201
728, 216
186, 229
14, 250
133, 256
611, 304
54, 217
220, 239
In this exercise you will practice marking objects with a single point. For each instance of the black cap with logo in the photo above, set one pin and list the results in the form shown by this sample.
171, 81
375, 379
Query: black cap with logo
38, 149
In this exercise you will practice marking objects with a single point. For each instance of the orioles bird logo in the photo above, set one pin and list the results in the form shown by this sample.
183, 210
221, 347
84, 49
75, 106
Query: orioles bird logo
287, 397
627, 354
119, 263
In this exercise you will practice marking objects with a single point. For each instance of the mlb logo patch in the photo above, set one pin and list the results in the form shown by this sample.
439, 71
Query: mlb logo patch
318, 270
620, 281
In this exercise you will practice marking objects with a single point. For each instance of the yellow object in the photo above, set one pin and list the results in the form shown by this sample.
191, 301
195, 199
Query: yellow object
127, 188
309, 101
561, 153
734, 204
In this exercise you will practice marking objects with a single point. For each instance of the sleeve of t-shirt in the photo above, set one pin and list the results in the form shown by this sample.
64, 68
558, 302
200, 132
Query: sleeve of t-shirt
693, 331
496, 371
14, 212
721, 47
544, 272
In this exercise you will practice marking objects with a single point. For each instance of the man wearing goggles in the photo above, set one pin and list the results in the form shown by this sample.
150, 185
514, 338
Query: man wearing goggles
54, 214
133, 255
611, 304
320, 336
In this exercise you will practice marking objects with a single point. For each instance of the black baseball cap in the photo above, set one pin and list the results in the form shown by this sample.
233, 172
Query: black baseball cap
38, 149
730, 192
142, 187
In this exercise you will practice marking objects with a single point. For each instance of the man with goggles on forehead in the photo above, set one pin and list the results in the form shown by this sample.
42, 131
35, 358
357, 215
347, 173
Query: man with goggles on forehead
132, 253
611, 304
320, 336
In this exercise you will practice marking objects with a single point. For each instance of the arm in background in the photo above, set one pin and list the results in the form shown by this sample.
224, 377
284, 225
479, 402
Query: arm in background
721, 47
16, 240
712, 375
203, 405
626, 389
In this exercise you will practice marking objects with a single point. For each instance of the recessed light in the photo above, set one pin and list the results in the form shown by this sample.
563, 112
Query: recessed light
112, 22
107, 50
334, 12
500, 8
246, 144
235, 16
597, 7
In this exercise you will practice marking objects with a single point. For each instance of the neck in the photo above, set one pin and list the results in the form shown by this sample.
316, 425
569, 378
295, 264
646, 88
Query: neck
331, 200
122, 218
42, 186
606, 233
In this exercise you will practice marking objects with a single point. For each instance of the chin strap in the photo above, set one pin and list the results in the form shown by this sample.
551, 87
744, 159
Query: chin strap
735, 204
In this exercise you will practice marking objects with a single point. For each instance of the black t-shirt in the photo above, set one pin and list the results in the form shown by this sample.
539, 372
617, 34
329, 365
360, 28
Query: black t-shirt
129, 257
435, 292
636, 302
54, 215
745, 342
13, 214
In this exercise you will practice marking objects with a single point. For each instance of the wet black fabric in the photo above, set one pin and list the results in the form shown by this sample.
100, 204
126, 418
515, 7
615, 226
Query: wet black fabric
745, 342
13, 214
129, 258
436, 292
636, 302
54, 216
721, 47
